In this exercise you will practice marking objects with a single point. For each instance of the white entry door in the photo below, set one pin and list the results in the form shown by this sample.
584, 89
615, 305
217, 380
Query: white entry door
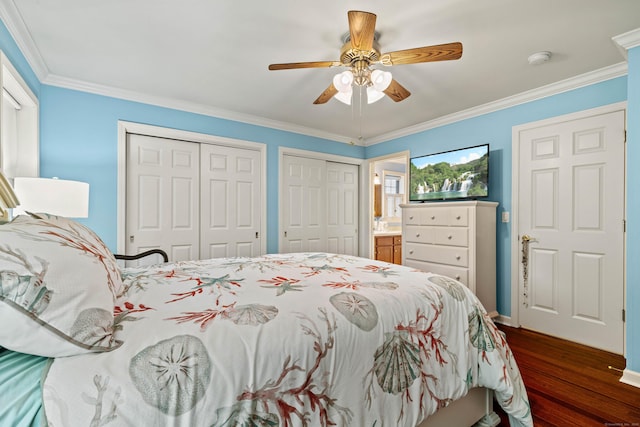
163, 193
342, 208
571, 207
230, 214
304, 205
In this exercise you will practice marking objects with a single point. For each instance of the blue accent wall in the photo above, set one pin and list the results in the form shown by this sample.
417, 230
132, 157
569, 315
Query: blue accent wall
633, 212
495, 128
79, 135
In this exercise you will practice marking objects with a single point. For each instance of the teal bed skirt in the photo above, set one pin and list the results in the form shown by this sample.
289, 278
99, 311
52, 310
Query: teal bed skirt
20, 389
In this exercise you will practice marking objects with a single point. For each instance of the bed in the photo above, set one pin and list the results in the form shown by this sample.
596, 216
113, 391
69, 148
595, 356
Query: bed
301, 339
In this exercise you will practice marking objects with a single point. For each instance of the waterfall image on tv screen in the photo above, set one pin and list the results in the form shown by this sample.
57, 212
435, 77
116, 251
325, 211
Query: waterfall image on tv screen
457, 174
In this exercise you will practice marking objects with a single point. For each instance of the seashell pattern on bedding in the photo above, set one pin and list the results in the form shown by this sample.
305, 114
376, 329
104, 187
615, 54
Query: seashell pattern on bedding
286, 340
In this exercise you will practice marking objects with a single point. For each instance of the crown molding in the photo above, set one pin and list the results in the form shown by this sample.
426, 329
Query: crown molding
191, 107
21, 35
603, 74
14, 23
628, 40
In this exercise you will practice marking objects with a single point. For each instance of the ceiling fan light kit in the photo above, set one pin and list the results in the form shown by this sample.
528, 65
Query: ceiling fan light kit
360, 52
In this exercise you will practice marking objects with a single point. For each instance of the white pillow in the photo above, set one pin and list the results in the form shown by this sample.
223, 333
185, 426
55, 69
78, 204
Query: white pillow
56, 289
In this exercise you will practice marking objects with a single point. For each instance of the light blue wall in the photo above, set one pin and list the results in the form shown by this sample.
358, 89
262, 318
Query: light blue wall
633, 211
495, 129
79, 134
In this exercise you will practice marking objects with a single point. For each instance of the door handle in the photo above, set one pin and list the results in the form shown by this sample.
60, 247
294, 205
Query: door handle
526, 239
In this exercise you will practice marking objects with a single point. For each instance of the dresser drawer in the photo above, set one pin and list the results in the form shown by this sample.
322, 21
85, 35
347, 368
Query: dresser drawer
419, 234
451, 236
411, 216
458, 256
461, 274
459, 217
434, 216
451, 216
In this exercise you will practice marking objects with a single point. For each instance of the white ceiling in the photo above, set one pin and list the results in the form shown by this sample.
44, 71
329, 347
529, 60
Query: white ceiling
212, 56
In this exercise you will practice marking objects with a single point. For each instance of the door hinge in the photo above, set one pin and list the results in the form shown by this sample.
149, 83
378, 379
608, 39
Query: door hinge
624, 225
624, 315
625, 136
257, 235
285, 234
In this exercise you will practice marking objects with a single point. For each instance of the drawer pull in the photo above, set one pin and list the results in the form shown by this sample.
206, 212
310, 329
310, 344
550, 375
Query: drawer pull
417, 234
433, 217
458, 217
411, 252
458, 277
449, 237
458, 257
411, 217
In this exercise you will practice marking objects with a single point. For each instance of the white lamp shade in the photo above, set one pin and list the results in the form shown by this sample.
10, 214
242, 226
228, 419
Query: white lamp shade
53, 196
373, 95
381, 80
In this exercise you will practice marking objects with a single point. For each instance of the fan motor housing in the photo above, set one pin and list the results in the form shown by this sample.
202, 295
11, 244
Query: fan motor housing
348, 55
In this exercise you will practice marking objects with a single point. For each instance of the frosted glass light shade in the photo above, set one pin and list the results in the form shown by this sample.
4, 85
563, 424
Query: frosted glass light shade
381, 80
342, 81
53, 196
373, 95
344, 97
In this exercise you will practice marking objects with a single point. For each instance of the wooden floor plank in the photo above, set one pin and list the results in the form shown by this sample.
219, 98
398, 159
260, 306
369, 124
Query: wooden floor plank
570, 384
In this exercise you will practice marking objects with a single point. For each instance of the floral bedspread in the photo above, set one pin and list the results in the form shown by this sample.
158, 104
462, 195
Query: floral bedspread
309, 339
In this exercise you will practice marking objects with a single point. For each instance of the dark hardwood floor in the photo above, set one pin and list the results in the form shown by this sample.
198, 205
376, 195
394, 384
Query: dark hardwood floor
570, 384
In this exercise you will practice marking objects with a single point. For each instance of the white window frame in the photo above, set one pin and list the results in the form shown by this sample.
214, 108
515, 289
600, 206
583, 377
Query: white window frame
19, 140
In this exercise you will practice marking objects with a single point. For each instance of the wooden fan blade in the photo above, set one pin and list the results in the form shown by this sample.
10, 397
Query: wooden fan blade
441, 52
326, 95
293, 65
362, 27
396, 91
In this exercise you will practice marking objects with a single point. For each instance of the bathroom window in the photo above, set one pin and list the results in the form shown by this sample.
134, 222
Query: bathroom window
394, 183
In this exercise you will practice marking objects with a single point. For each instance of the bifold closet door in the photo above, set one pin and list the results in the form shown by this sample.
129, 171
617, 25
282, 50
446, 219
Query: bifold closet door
163, 193
303, 205
319, 206
230, 202
342, 208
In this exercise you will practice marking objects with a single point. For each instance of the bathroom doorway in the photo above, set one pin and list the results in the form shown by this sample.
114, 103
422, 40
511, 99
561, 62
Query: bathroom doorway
389, 187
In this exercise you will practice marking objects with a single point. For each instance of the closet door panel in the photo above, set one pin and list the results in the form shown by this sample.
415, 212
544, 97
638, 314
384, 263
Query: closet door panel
231, 194
303, 205
162, 196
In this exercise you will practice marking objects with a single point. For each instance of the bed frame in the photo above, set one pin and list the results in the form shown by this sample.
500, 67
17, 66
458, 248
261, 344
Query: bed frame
474, 409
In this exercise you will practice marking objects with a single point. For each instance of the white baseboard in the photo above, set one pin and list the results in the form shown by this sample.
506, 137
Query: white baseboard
631, 378
503, 320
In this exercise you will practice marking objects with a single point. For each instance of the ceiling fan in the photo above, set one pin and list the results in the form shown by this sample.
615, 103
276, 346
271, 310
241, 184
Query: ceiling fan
360, 51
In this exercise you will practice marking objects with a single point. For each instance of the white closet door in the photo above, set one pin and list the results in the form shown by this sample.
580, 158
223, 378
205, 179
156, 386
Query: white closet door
342, 208
231, 196
163, 191
303, 195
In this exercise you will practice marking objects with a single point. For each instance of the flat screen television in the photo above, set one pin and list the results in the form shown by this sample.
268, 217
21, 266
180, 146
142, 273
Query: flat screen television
450, 175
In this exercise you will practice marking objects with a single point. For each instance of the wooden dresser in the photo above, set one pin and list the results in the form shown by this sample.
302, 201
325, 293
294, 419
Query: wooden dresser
455, 239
